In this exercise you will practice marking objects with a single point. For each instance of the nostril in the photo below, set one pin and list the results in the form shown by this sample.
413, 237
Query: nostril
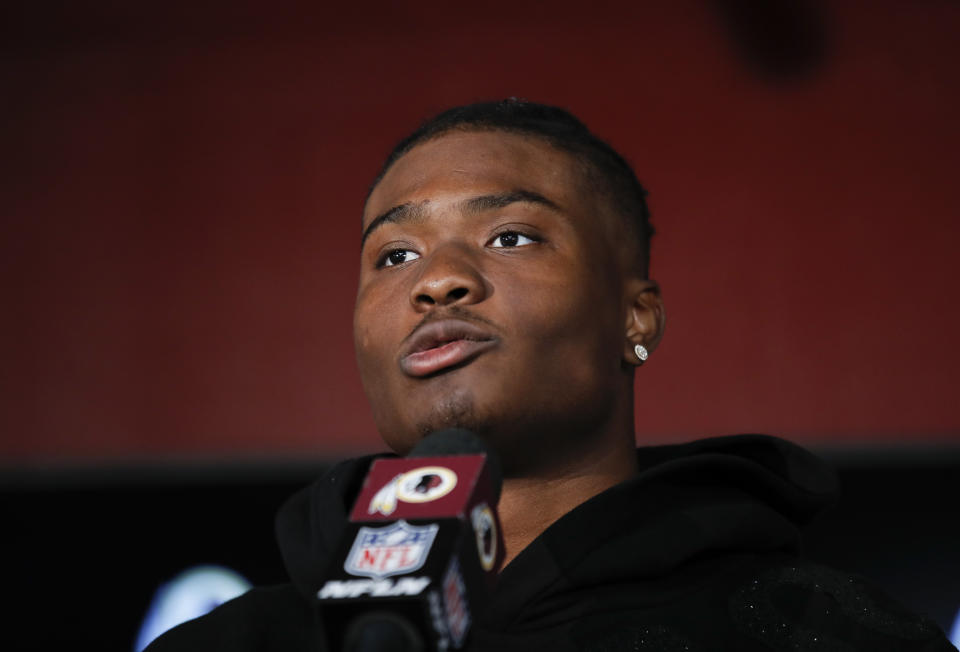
457, 293
425, 298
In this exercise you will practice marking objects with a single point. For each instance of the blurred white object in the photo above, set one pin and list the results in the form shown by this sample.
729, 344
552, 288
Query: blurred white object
955, 632
190, 594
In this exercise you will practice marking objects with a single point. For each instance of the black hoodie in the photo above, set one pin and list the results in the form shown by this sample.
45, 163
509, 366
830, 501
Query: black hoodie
698, 552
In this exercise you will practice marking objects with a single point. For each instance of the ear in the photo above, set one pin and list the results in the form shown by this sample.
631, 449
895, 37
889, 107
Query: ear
645, 317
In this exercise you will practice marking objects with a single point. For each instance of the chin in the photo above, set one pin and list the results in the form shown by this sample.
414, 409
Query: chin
456, 410
402, 430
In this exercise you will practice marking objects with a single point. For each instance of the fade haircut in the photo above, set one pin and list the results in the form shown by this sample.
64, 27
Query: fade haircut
607, 172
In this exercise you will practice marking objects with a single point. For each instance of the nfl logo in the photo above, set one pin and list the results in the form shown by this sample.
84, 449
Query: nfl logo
398, 548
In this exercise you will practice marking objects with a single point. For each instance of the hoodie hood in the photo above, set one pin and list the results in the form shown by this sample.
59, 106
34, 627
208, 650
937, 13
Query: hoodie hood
311, 522
743, 494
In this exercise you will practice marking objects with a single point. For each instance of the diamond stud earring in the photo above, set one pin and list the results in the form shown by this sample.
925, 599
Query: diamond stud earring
641, 352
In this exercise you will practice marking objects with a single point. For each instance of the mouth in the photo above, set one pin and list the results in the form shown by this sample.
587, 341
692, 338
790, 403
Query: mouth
444, 345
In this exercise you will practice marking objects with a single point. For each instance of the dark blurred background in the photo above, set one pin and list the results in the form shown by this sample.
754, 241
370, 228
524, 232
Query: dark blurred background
180, 199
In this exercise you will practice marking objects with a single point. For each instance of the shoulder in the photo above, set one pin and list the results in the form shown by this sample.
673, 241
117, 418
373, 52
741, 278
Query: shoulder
770, 603
266, 618
799, 604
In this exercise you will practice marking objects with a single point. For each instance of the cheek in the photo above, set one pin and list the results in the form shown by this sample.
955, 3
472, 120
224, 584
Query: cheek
370, 339
363, 336
588, 336
572, 311
374, 313
565, 336
361, 339
373, 360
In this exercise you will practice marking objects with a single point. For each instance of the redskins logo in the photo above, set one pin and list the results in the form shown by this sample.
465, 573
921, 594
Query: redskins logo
419, 485
485, 529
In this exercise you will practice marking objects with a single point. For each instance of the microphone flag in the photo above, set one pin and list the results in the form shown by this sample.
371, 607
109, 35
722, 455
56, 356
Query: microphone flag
423, 546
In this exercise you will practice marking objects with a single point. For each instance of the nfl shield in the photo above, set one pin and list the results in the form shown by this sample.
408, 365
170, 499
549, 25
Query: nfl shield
395, 549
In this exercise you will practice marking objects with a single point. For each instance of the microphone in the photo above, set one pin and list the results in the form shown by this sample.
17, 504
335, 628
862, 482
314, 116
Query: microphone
421, 551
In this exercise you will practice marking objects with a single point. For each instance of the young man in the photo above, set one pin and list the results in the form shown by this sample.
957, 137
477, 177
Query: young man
503, 289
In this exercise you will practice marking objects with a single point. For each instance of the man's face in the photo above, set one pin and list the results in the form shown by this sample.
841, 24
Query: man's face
490, 295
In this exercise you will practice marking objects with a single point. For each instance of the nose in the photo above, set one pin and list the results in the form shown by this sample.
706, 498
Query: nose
448, 276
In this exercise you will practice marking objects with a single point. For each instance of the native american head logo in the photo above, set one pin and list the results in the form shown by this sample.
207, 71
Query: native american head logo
485, 529
420, 485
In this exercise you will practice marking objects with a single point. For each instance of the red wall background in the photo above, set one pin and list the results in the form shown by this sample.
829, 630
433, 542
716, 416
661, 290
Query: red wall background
182, 186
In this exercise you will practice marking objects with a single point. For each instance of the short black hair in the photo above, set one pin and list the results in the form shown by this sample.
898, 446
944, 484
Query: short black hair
606, 169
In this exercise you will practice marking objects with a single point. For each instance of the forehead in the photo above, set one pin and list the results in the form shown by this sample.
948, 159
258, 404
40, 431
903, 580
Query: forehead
476, 162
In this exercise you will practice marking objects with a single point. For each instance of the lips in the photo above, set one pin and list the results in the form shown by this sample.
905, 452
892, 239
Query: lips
443, 344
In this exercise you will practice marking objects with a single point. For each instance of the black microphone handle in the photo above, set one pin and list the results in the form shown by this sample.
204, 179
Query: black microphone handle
382, 631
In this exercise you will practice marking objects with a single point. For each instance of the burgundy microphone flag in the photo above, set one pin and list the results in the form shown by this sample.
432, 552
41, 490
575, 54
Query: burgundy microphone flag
432, 488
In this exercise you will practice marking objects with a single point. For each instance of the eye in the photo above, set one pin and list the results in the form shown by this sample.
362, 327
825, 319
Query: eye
397, 257
512, 239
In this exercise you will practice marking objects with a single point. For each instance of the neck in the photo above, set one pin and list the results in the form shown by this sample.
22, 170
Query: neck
530, 504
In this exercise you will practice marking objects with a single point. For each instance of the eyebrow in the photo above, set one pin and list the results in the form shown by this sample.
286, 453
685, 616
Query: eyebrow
398, 214
411, 212
493, 202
